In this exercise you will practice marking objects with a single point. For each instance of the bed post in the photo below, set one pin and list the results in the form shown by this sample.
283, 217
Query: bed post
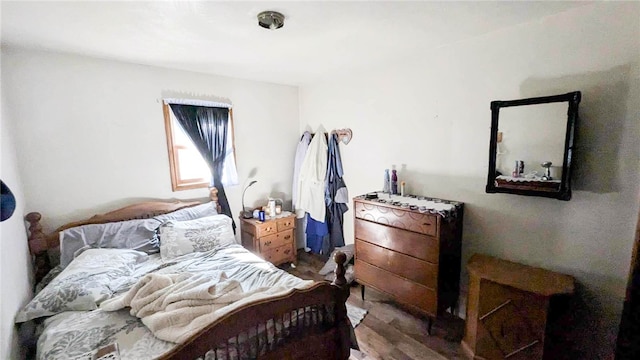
213, 196
38, 246
340, 258
341, 309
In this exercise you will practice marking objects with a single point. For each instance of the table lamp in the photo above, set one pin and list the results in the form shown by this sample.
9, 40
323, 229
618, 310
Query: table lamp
246, 213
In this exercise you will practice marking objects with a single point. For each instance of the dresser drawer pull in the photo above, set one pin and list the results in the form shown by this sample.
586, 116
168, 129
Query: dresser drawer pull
287, 251
495, 309
268, 229
287, 237
267, 243
521, 349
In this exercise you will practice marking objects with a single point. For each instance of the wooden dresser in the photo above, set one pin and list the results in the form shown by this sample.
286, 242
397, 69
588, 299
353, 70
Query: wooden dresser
411, 255
508, 310
274, 239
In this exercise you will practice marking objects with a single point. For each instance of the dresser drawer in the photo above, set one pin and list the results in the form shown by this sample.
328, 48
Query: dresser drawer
266, 228
276, 240
405, 266
278, 254
404, 291
286, 223
403, 219
409, 243
285, 237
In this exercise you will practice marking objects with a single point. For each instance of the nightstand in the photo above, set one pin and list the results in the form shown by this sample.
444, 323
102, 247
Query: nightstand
508, 310
274, 240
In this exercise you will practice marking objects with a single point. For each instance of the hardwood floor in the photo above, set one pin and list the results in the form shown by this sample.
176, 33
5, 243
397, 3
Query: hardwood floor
389, 331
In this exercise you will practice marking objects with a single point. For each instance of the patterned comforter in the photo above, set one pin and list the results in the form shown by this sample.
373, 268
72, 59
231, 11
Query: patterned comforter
71, 334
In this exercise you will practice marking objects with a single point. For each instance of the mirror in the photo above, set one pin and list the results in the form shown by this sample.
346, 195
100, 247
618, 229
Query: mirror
531, 145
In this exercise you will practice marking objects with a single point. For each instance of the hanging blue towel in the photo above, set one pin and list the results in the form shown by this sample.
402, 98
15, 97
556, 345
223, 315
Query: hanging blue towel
336, 197
316, 231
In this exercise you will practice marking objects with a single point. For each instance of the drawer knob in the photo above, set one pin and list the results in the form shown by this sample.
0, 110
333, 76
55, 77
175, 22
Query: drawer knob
268, 229
287, 251
267, 243
287, 237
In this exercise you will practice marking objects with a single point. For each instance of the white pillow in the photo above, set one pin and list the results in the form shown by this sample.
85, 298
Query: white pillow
92, 277
198, 235
190, 213
139, 234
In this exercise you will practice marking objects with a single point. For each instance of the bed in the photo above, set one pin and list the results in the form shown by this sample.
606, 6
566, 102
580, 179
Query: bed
257, 311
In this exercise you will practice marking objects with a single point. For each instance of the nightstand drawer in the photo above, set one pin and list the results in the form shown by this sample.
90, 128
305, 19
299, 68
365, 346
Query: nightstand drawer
266, 228
279, 254
276, 240
286, 237
287, 223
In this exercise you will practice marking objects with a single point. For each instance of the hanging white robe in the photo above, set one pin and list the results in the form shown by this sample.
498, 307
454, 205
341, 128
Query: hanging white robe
301, 152
312, 178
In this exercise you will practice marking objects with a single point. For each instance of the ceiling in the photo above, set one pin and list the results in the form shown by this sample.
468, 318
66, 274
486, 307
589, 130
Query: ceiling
319, 39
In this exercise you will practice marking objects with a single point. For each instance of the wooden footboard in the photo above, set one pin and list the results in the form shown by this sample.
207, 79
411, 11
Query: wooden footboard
313, 325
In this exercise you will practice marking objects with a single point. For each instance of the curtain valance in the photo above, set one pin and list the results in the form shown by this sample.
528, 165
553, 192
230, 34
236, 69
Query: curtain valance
197, 102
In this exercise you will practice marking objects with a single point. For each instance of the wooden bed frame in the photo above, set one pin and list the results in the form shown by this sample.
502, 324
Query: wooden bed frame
329, 338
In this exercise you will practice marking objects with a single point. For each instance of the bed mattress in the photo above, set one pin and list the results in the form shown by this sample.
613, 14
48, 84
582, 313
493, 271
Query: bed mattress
72, 334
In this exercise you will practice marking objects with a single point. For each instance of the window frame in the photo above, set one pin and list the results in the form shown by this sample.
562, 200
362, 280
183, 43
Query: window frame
177, 183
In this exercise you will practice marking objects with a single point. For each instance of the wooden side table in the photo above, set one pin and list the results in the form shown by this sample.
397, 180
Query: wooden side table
273, 239
507, 308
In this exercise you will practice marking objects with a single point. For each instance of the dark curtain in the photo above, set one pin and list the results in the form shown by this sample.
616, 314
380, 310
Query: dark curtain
208, 128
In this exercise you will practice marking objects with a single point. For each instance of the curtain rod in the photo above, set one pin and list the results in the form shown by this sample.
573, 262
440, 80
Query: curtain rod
197, 102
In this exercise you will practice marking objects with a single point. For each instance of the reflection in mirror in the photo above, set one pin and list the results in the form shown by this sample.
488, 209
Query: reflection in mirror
532, 134
530, 150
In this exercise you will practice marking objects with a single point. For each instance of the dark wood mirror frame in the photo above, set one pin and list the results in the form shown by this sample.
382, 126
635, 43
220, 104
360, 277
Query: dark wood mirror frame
564, 193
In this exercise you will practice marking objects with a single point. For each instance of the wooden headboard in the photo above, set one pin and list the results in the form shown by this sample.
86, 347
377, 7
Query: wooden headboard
41, 244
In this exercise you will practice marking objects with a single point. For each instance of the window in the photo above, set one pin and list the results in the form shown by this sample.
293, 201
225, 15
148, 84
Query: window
188, 168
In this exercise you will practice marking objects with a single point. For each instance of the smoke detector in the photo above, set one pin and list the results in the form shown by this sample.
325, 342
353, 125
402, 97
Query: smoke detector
271, 20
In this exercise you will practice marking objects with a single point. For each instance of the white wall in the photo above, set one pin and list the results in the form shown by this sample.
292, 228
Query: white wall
91, 135
429, 116
15, 273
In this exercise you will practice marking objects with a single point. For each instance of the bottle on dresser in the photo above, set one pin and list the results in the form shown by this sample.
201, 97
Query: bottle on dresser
394, 182
387, 182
